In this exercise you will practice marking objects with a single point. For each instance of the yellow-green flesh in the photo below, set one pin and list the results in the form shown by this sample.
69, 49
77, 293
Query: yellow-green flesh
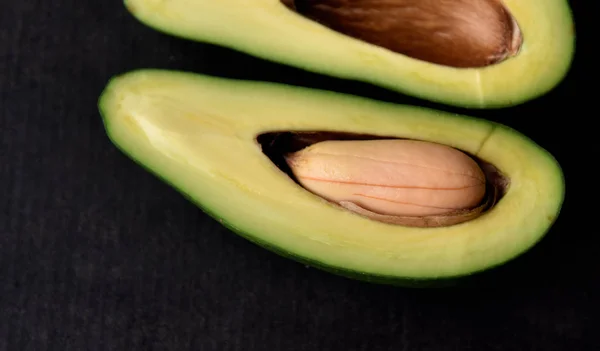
198, 133
267, 29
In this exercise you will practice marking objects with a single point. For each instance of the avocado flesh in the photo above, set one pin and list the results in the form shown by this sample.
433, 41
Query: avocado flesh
199, 134
269, 30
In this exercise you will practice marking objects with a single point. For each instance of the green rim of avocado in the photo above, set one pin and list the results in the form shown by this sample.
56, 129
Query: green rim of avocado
199, 134
269, 30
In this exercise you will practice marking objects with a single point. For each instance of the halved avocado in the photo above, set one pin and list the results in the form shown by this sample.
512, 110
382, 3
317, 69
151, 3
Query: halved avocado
272, 31
213, 140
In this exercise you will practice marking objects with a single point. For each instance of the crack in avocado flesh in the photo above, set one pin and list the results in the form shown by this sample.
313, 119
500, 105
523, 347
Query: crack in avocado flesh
198, 134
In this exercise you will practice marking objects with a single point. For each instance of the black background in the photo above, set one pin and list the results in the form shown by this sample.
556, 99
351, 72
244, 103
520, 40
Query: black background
97, 254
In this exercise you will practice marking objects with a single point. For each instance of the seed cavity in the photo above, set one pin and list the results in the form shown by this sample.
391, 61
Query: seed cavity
454, 187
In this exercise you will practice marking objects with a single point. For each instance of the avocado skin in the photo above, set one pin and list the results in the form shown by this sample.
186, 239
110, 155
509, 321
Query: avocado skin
407, 282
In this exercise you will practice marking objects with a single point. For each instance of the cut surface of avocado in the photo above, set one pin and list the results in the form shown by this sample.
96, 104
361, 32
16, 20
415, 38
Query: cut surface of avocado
200, 134
270, 30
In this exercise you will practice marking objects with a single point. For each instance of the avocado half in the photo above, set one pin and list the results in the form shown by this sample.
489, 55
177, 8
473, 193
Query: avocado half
205, 136
270, 30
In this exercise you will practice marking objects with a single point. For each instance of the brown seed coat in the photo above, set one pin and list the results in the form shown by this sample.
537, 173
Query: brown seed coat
458, 33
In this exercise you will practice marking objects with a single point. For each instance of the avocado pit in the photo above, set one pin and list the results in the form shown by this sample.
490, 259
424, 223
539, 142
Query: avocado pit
278, 146
455, 33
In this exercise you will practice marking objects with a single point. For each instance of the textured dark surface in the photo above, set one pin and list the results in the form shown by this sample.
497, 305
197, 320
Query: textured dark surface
96, 254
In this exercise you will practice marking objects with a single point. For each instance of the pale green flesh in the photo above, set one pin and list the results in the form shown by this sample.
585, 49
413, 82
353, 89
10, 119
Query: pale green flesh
198, 133
267, 29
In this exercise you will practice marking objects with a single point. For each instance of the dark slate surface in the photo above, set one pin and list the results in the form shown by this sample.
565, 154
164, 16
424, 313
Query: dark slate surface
97, 254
